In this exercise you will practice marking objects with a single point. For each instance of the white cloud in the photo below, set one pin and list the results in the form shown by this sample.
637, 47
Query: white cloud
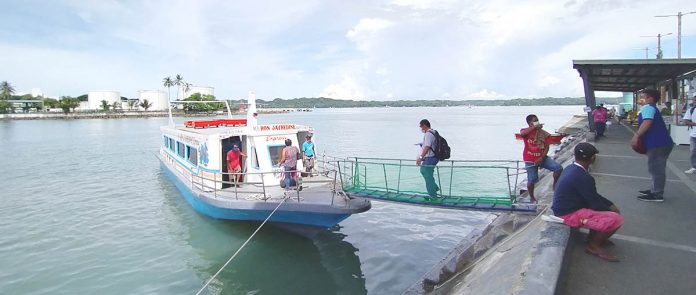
347, 88
486, 94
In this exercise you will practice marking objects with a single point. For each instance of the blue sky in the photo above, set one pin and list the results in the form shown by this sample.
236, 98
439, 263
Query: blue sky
391, 49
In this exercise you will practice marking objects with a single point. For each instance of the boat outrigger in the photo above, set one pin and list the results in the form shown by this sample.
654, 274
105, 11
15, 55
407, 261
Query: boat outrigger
193, 155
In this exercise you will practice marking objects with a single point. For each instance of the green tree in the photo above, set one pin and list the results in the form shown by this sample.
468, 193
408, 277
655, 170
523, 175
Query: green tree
6, 90
132, 103
145, 104
6, 106
105, 105
167, 82
202, 107
50, 102
68, 103
116, 106
178, 81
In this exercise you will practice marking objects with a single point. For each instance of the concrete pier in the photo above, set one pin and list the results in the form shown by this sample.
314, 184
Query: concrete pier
656, 245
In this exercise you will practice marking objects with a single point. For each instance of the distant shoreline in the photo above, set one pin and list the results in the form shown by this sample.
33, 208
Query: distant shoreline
114, 115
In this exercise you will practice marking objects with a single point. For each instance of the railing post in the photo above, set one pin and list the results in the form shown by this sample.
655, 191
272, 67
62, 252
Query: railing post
365, 178
398, 181
439, 183
263, 185
236, 195
333, 194
451, 177
386, 183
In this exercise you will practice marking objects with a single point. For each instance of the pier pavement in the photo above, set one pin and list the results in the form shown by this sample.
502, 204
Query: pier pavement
657, 243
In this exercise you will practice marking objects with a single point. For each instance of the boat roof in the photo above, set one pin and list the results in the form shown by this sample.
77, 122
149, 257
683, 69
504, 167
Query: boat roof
269, 129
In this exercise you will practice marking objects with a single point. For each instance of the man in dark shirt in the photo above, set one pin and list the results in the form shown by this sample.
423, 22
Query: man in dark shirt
577, 202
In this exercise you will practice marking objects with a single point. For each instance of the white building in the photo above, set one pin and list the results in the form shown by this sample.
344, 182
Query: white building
94, 98
157, 98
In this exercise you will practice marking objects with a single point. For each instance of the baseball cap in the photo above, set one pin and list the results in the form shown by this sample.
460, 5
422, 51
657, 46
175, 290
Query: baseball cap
235, 147
585, 150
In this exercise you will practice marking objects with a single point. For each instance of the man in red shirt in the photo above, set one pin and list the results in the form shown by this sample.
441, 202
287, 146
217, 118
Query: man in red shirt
534, 154
234, 157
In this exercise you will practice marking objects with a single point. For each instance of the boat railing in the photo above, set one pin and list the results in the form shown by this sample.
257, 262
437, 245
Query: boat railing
493, 182
258, 189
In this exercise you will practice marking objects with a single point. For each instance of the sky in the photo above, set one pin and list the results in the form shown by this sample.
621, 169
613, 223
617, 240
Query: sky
358, 49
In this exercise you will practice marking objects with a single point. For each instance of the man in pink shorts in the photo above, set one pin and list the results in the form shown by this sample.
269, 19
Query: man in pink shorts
577, 202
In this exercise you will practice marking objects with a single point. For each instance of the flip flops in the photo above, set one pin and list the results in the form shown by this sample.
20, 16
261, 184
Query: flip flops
602, 255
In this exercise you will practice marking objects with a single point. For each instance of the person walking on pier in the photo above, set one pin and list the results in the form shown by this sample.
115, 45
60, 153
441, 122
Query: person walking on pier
534, 154
657, 142
288, 160
578, 203
600, 119
427, 159
690, 120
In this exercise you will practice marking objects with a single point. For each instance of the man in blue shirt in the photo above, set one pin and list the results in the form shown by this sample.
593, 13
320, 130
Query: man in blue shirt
308, 154
657, 142
578, 203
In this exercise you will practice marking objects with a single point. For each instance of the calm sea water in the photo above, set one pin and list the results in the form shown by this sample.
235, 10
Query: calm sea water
85, 209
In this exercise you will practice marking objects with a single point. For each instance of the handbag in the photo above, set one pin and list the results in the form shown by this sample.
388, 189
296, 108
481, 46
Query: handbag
639, 147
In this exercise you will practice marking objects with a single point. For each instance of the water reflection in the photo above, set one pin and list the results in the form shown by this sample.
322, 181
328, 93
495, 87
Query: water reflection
274, 262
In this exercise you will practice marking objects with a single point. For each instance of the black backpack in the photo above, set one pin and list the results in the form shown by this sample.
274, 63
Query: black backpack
442, 149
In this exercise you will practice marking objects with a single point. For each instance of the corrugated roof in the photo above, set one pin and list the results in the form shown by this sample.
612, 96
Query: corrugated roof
630, 75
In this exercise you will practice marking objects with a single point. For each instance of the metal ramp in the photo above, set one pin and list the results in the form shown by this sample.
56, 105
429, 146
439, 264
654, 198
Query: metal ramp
468, 185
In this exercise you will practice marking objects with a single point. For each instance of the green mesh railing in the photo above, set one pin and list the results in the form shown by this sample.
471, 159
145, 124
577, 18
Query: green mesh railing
461, 183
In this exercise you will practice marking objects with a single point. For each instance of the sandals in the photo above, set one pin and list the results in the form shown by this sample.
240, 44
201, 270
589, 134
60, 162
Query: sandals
602, 255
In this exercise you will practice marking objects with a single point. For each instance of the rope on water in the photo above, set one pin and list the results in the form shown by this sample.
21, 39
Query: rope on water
240, 248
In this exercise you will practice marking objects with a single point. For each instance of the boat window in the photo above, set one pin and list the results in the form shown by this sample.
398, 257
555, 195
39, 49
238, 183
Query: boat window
181, 149
275, 152
254, 158
166, 141
192, 155
171, 145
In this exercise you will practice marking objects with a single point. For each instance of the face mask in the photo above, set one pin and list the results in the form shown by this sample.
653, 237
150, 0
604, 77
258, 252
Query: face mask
536, 123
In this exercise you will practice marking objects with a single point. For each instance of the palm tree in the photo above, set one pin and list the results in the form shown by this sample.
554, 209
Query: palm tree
178, 81
6, 90
132, 103
145, 104
116, 105
167, 81
105, 105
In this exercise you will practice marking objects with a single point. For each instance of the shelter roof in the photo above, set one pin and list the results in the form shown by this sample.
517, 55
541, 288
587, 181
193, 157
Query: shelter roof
630, 75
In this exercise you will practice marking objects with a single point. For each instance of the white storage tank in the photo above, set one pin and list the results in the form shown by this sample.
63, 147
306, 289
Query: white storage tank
157, 98
94, 98
204, 90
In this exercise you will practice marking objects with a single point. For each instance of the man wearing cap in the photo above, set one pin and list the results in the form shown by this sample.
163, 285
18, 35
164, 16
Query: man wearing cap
234, 157
690, 120
577, 202
308, 154
657, 142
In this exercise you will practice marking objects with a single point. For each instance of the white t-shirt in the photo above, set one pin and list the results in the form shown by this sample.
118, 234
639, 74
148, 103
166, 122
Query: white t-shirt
429, 140
688, 116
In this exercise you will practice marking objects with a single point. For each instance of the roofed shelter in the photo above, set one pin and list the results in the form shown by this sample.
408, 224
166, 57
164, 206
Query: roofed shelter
633, 75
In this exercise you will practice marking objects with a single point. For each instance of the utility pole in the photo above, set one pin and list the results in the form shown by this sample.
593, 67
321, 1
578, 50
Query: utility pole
659, 44
679, 34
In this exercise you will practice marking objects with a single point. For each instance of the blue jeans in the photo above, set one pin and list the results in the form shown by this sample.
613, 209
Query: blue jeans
427, 169
288, 176
657, 166
600, 127
533, 170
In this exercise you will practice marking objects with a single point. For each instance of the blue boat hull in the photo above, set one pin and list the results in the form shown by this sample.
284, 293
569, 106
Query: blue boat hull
285, 218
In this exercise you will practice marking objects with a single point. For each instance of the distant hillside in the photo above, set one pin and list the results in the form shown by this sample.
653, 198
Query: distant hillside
323, 102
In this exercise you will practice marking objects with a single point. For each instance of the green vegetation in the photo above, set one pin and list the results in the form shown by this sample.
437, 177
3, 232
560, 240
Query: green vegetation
145, 104
6, 90
132, 103
202, 107
68, 104
105, 105
323, 102
5, 106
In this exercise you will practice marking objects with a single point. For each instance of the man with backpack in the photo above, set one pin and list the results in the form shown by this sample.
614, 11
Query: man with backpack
427, 159
690, 120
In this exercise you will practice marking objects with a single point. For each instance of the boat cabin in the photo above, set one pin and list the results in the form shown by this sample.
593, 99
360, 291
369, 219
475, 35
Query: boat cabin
200, 148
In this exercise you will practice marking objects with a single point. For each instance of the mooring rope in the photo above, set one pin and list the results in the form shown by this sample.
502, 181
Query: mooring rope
240, 248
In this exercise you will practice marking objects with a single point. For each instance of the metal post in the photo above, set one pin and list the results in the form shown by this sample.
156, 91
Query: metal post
365, 178
439, 184
589, 96
386, 183
398, 181
451, 177
333, 194
236, 197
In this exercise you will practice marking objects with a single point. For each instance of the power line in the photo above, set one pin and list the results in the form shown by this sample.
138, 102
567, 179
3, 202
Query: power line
659, 44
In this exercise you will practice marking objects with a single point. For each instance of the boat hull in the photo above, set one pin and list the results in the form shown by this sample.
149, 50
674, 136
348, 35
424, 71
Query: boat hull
257, 211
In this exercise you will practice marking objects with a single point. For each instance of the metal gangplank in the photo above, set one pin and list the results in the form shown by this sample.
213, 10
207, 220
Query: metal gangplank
486, 185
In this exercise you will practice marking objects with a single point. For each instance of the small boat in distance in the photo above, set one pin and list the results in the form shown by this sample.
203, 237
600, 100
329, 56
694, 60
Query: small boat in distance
193, 156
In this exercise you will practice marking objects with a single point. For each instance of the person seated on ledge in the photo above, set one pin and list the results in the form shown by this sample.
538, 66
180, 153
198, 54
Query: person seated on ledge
577, 202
